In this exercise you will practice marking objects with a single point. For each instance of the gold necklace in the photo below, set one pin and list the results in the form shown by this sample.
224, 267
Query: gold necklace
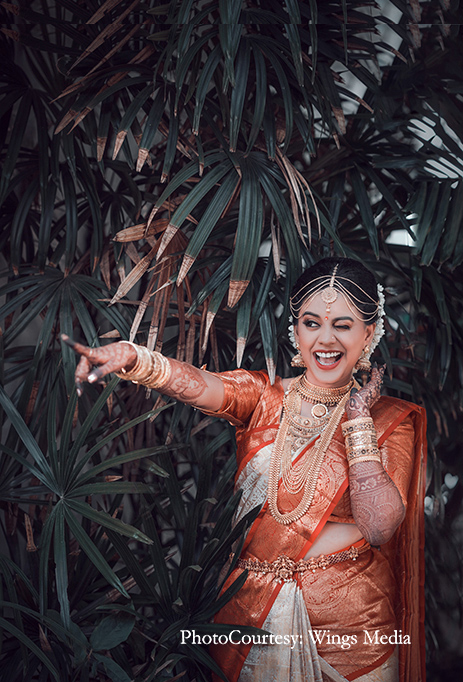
305, 474
322, 397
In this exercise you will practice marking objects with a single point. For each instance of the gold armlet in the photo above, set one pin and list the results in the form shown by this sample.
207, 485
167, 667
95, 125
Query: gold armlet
151, 368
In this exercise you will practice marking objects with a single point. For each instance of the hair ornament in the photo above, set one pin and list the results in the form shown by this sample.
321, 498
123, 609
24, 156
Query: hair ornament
379, 326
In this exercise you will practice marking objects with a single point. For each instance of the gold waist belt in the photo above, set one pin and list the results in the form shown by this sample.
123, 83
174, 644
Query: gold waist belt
285, 569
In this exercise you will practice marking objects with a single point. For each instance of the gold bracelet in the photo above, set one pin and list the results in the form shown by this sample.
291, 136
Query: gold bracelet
367, 458
363, 454
358, 425
363, 438
151, 368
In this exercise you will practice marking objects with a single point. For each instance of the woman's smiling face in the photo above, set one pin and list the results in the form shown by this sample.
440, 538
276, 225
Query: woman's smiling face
330, 342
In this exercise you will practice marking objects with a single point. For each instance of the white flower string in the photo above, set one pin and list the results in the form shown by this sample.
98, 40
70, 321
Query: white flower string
379, 326
291, 336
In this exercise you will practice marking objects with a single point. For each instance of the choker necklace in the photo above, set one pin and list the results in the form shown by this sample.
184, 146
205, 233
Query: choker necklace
322, 397
303, 475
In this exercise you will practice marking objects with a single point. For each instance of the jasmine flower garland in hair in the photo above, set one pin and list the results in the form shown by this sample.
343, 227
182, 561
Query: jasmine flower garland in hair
379, 327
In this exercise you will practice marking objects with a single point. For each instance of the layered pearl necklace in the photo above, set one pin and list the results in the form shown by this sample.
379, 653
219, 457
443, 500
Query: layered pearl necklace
303, 475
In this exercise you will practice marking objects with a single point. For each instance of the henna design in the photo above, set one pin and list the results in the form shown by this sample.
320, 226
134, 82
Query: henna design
376, 503
107, 359
361, 402
186, 383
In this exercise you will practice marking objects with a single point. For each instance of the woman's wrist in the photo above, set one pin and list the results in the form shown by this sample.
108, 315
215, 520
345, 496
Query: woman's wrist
150, 368
357, 413
361, 440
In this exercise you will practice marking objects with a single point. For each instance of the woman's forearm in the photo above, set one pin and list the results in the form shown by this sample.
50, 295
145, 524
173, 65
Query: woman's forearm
375, 501
193, 386
376, 504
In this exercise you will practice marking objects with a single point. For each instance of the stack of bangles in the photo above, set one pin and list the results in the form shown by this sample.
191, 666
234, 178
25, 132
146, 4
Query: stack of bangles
151, 368
361, 441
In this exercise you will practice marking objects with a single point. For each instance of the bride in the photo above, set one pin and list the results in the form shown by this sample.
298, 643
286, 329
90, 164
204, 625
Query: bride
335, 556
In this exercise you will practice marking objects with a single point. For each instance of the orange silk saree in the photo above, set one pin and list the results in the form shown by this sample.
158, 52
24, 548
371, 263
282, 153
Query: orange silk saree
352, 620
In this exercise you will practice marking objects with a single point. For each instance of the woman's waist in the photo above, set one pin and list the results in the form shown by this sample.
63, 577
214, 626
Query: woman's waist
285, 569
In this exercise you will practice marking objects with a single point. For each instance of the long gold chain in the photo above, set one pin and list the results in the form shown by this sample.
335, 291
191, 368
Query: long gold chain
305, 475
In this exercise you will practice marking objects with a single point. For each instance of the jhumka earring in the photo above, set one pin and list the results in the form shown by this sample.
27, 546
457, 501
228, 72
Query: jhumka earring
298, 360
363, 364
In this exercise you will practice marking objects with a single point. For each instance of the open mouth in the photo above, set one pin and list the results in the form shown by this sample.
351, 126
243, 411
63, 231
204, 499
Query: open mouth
328, 359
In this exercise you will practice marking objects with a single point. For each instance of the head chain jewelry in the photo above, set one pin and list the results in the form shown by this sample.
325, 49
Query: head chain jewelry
349, 298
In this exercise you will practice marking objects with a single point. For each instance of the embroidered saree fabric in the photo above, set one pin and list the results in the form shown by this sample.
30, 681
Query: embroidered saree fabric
359, 620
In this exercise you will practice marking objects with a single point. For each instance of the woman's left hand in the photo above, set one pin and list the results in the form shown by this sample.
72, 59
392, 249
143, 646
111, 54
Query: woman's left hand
361, 402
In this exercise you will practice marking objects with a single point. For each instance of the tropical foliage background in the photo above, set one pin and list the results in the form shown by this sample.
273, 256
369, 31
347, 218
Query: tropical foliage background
168, 170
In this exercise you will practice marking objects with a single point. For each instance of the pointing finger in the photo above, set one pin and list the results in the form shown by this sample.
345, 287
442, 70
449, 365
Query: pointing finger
78, 347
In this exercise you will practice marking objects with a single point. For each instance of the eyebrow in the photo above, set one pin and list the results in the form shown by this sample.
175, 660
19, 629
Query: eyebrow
336, 319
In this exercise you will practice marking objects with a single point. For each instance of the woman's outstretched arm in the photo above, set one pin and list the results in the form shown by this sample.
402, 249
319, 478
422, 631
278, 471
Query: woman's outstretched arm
183, 382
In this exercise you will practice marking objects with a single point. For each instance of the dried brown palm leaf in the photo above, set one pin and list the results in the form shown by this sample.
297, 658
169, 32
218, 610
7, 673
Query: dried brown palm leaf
276, 245
101, 11
132, 253
190, 341
44, 643
302, 184
32, 401
142, 306
100, 147
113, 334
14, 9
120, 137
134, 276
67, 118
185, 268
163, 316
106, 267
115, 49
207, 327
106, 33
289, 174
214, 348
141, 231
110, 403
183, 145
340, 118
416, 34
11, 518
167, 237
180, 352
31, 546
202, 333
236, 290
240, 346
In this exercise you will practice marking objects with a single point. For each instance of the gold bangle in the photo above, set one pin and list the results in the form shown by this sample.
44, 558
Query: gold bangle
368, 451
366, 458
358, 425
361, 439
360, 448
151, 368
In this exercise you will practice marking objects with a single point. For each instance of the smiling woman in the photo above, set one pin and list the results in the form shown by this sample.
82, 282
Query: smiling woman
334, 557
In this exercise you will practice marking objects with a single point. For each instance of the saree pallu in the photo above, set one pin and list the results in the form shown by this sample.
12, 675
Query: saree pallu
352, 619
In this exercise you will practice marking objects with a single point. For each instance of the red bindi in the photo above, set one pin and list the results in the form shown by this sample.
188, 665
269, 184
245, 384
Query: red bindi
326, 317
